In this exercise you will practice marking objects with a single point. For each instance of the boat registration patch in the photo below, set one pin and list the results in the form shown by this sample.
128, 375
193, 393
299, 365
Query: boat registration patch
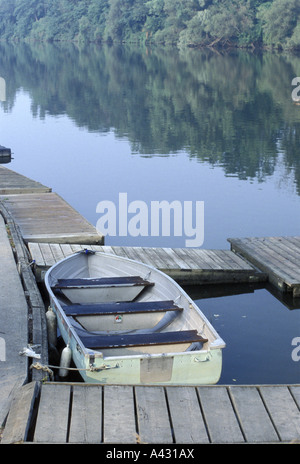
118, 319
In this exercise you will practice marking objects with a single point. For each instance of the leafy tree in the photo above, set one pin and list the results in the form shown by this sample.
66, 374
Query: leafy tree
97, 12
156, 17
294, 41
125, 20
279, 21
26, 13
181, 22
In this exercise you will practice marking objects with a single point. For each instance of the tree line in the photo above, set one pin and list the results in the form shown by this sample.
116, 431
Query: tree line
213, 23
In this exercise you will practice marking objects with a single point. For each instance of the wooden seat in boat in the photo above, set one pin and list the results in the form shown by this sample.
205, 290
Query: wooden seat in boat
102, 282
94, 341
98, 309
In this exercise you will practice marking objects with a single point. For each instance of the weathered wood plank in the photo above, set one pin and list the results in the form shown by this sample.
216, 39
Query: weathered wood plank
251, 411
46, 217
20, 413
187, 420
285, 268
272, 255
222, 423
168, 258
154, 257
199, 259
295, 391
212, 262
152, 415
86, 417
76, 247
284, 246
35, 252
120, 251
234, 261
13, 183
283, 410
47, 254
132, 253
220, 260
277, 256
119, 415
285, 261
66, 249
186, 257
56, 251
53, 414
293, 243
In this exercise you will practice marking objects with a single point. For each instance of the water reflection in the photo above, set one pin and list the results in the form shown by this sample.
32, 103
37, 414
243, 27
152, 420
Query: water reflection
249, 319
232, 110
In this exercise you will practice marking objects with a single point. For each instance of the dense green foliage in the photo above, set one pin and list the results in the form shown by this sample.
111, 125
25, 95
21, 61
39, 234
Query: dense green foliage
243, 23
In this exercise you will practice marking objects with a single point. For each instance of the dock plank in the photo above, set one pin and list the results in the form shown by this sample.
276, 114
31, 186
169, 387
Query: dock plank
86, 417
295, 391
154, 256
53, 414
187, 420
222, 423
66, 249
251, 410
119, 415
18, 420
284, 411
57, 251
38, 255
152, 415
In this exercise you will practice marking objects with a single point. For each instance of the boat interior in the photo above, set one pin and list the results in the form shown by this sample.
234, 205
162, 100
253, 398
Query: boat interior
127, 312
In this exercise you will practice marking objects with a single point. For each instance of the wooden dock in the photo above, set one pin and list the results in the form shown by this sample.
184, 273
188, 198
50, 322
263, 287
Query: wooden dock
11, 182
278, 257
81, 413
185, 265
42, 215
46, 217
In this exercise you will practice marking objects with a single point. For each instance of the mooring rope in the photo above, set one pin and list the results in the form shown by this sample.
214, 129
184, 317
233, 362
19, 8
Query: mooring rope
48, 368
42, 367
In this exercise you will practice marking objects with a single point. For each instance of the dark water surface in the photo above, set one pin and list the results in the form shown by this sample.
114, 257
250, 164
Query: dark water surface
161, 124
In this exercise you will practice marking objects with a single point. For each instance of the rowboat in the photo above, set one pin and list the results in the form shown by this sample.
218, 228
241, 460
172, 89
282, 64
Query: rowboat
125, 322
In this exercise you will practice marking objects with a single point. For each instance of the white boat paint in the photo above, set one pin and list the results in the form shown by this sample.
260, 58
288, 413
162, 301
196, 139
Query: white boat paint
172, 364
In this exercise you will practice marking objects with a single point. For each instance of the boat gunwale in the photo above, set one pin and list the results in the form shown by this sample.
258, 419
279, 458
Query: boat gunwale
217, 343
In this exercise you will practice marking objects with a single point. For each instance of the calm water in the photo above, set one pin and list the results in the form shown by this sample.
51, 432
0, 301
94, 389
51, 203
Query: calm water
159, 124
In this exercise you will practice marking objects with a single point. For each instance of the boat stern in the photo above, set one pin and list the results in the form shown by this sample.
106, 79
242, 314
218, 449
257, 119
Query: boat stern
189, 368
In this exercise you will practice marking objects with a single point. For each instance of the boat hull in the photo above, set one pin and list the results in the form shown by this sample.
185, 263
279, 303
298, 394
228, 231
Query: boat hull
165, 367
